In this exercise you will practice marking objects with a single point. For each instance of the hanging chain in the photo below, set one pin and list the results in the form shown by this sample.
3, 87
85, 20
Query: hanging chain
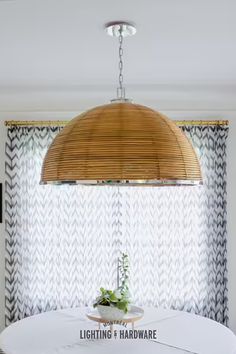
120, 60
120, 89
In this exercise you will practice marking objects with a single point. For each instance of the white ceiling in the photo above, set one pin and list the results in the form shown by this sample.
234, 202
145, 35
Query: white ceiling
54, 54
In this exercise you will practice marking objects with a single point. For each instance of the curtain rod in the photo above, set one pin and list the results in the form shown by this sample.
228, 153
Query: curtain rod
10, 123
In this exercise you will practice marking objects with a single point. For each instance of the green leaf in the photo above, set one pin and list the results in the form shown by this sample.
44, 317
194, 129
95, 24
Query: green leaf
102, 290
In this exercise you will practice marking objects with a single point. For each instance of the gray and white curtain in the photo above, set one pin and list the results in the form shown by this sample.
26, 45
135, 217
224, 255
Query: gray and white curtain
62, 242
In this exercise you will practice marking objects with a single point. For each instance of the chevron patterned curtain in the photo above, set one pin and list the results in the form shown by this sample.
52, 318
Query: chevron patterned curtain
62, 242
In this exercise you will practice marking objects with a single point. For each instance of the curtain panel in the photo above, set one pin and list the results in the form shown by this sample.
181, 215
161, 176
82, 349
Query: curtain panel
62, 242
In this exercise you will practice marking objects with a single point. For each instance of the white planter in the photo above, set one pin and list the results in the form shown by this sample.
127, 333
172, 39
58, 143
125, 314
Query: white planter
110, 313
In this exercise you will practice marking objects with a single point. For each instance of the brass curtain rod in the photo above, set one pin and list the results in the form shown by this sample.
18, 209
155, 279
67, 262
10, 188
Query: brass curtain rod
10, 123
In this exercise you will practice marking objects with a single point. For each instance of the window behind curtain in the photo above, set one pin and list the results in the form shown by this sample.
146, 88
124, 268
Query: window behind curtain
62, 242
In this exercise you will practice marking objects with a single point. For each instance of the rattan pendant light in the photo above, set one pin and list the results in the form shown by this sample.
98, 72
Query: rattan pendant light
121, 143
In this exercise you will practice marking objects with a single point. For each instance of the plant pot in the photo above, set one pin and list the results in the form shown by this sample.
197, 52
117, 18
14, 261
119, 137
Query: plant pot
110, 313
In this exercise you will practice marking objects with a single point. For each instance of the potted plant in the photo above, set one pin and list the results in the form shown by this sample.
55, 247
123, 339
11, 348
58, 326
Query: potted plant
114, 304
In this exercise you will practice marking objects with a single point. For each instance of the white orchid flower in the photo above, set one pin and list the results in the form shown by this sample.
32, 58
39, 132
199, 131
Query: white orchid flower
118, 294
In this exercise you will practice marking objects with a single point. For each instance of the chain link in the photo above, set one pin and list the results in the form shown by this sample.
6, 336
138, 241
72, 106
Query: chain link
121, 90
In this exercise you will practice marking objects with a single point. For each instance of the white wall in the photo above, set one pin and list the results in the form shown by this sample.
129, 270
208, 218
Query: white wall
205, 115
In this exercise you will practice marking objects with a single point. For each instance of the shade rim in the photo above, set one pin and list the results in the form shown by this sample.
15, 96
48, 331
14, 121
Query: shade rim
126, 182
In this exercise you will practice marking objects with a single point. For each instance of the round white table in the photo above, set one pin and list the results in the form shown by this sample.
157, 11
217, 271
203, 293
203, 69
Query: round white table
59, 332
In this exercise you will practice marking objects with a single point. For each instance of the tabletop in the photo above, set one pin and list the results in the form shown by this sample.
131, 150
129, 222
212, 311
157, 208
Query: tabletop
67, 332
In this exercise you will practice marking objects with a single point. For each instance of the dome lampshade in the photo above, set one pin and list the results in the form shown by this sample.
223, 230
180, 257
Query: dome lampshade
121, 143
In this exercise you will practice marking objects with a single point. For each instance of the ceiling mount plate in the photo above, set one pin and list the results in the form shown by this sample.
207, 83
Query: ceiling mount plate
116, 28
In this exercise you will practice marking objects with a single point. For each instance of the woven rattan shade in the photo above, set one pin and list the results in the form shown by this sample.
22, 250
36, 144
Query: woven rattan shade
120, 143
